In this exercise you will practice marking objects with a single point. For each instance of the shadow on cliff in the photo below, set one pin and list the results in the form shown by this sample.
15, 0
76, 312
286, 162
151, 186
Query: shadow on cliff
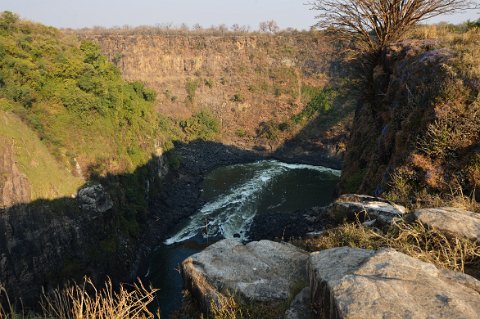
112, 224
109, 226
322, 141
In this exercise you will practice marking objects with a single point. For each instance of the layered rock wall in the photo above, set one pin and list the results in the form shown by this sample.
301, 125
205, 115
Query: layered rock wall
244, 80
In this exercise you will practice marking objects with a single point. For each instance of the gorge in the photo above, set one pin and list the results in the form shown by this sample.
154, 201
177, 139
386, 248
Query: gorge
125, 152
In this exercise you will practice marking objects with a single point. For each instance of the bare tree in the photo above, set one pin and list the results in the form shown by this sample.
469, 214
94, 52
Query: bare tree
270, 26
378, 23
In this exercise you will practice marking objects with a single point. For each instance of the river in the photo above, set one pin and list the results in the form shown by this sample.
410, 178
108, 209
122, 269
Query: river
233, 195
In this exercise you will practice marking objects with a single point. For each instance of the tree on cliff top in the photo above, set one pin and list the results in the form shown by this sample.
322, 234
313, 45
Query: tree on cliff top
378, 23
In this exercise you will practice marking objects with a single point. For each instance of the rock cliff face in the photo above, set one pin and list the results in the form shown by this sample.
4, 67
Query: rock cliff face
14, 185
44, 243
38, 245
416, 134
244, 80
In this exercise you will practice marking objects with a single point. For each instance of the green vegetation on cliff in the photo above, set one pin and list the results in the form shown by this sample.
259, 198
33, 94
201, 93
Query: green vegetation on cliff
45, 175
67, 116
74, 99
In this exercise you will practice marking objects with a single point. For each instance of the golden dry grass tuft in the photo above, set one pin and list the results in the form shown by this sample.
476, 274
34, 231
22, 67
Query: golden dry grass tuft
413, 239
230, 307
82, 301
85, 301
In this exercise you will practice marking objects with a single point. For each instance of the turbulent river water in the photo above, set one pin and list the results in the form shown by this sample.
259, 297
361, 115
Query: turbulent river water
233, 196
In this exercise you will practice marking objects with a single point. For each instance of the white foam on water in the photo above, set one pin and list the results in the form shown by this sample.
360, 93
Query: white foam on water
232, 213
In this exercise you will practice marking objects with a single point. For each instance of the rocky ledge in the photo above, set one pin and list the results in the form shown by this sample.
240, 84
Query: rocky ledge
341, 282
263, 271
358, 283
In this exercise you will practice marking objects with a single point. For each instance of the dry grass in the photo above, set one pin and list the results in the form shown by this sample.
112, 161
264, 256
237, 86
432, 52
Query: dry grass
85, 301
229, 307
464, 43
414, 239
226, 308
6, 310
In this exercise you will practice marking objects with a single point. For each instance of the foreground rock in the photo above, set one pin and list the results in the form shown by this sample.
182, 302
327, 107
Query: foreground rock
263, 271
350, 207
451, 221
357, 283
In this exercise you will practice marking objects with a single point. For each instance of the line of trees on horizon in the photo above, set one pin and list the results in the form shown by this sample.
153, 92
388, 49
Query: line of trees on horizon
235, 29
265, 27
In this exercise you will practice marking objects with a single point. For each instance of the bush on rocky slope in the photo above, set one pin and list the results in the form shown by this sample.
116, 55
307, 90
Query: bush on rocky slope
416, 138
74, 99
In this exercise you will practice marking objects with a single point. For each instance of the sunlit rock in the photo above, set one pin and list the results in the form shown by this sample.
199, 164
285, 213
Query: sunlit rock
357, 283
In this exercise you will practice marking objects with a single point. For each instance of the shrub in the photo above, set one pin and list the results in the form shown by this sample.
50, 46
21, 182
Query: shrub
69, 93
209, 83
284, 126
268, 130
191, 86
320, 102
241, 132
238, 98
202, 125
472, 24
8, 20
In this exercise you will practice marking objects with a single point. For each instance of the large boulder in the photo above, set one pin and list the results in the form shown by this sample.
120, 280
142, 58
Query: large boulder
94, 198
351, 206
451, 221
262, 271
357, 283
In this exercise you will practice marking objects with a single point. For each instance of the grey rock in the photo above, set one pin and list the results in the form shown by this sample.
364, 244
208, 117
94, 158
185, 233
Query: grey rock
352, 206
300, 307
451, 221
357, 283
262, 271
314, 234
94, 198
14, 185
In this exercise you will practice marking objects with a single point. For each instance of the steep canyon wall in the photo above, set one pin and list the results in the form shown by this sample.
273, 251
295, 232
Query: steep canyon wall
244, 80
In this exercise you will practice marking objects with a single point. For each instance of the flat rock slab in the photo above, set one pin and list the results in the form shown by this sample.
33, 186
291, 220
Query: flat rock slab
351, 206
451, 221
262, 271
357, 283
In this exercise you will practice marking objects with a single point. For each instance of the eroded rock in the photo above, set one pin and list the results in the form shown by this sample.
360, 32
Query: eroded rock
357, 283
352, 206
14, 185
262, 271
451, 221
94, 198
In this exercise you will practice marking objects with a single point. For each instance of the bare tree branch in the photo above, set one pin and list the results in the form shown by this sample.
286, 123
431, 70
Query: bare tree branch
378, 23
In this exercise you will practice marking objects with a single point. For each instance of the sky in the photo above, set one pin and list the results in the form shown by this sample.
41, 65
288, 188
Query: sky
108, 13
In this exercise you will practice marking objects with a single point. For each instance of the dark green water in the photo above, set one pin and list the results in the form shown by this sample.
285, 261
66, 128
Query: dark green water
233, 196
